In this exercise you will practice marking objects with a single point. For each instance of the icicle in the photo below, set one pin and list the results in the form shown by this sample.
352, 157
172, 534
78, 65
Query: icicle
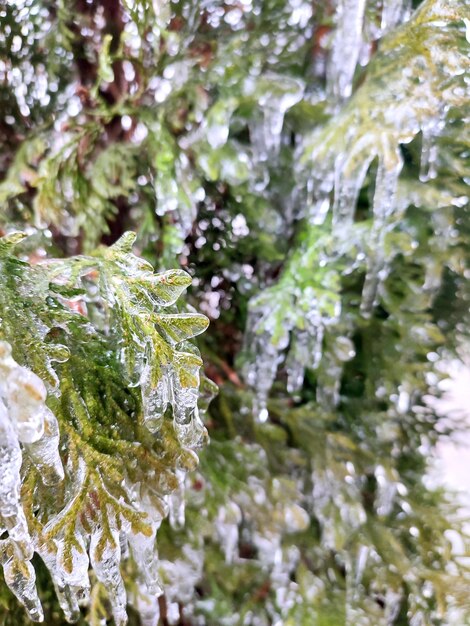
276, 95
145, 555
386, 182
272, 127
393, 602
105, 558
349, 179
318, 211
418, 619
67, 600
392, 14
73, 562
162, 12
262, 375
361, 562
182, 574
268, 544
228, 519
297, 362
194, 433
429, 150
10, 465
328, 383
218, 122
386, 491
346, 47
20, 578
307, 349
148, 608
173, 613
343, 349
265, 357
296, 519
316, 200
185, 388
176, 503
45, 452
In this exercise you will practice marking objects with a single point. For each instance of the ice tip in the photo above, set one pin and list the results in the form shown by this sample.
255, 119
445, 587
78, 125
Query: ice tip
10, 240
124, 243
177, 278
36, 614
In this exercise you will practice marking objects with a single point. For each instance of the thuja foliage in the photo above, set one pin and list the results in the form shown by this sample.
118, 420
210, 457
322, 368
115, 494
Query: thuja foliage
296, 173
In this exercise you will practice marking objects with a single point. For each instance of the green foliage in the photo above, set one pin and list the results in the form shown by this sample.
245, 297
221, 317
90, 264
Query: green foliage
308, 165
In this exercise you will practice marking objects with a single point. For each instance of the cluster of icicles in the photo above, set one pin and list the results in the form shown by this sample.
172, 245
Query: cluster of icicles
29, 433
339, 156
26, 425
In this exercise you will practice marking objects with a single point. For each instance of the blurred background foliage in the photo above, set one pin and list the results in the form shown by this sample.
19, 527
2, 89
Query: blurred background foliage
307, 163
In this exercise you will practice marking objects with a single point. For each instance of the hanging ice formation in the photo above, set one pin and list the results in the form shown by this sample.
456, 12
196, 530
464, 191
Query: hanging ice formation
346, 47
410, 86
275, 95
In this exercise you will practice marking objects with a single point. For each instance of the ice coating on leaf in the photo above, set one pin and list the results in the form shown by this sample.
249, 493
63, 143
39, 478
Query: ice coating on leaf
117, 489
169, 286
155, 351
26, 394
155, 398
7, 242
182, 326
74, 562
